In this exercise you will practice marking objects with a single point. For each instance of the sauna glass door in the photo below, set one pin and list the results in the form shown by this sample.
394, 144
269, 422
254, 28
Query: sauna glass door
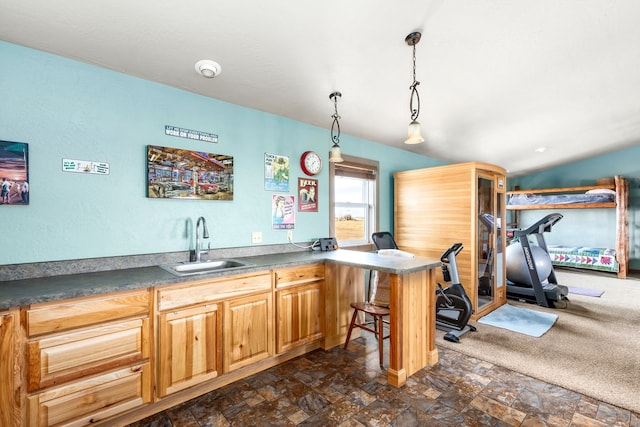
486, 240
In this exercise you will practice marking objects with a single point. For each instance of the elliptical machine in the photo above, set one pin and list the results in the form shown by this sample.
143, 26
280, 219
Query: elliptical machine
453, 307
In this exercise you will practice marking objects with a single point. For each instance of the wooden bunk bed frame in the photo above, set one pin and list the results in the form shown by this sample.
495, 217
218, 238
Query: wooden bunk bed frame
621, 204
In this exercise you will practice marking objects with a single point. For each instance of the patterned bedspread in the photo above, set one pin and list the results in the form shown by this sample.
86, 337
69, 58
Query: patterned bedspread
602, 259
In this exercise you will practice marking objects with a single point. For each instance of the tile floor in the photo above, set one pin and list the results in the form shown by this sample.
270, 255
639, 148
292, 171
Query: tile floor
347, 388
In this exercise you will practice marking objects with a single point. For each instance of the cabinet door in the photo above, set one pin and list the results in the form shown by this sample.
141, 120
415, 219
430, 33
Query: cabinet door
92, 399
343, 285
7, 364
188, 347
248, 330
300, 315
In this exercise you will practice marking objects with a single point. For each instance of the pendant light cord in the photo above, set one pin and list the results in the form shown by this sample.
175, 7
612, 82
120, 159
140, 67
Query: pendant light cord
415, 112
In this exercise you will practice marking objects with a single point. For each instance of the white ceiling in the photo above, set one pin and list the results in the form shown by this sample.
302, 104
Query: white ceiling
498, 78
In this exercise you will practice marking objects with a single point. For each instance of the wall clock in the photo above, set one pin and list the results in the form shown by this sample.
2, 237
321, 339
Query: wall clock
311, 163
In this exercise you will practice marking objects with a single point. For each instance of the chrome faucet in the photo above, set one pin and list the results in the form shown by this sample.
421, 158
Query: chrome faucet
205, 235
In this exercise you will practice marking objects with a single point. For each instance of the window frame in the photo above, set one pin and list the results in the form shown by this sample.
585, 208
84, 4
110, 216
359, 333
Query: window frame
365, 164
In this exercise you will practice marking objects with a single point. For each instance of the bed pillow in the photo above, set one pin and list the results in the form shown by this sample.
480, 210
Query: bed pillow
601, 191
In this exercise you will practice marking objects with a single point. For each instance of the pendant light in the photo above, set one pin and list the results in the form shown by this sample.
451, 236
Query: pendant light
335, 155
414, 133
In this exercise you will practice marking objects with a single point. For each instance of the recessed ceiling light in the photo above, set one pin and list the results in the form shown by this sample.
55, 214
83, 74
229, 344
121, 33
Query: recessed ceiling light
540, 149
208, 68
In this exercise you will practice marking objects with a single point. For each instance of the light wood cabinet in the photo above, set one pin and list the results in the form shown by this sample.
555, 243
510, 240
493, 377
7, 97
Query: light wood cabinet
111, 359
189, 347
92, 399
8, 393
248, 330
190, 328
87, 359
299, 306
460, 203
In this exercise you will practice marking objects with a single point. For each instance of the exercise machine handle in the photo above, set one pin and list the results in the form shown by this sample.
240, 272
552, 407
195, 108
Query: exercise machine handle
455, 249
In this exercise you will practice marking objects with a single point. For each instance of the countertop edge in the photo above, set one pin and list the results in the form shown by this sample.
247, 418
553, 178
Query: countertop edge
25, 292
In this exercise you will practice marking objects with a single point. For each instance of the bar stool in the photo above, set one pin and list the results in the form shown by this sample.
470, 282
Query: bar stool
377, 307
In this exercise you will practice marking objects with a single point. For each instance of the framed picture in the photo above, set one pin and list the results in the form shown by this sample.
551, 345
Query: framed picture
174, 173
307, 195
276, 172
14, 173
283, 216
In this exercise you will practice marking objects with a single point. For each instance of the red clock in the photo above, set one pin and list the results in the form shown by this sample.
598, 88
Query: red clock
311, 163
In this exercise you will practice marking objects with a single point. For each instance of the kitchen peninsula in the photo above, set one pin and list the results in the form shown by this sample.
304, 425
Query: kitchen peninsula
132, 342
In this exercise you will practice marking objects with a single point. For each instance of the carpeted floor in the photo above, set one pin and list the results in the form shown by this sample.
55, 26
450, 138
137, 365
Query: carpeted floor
593, 348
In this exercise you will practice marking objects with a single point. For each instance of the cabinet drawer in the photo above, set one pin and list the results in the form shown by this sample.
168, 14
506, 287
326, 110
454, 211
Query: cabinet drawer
56, 317
72, 355
205, 291
91, 400
298, 275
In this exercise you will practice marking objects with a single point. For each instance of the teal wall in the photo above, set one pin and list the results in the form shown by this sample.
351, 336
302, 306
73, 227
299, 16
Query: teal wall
590, 227
67, 109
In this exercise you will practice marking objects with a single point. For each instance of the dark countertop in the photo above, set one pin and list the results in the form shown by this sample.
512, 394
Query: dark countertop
15, 293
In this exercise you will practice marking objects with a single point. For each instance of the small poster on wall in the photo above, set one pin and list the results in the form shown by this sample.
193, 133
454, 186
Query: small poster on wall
307, 195
283, 212
276, 172
14, 173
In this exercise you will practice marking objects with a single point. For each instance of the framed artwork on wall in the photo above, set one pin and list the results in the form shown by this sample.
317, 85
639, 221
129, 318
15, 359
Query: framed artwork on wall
174, 173
307, 195
14, 173
283, 215
276, 172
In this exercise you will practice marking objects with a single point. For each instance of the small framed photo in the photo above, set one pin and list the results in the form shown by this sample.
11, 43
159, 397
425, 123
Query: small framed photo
14, 173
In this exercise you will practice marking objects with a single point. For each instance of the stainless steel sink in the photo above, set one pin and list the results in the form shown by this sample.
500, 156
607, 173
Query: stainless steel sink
203, 267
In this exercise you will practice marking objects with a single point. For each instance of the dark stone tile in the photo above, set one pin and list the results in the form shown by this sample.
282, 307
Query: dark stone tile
612, 415
377, 414
408, 418
459, 395
312, 402
157, 420
181, 416
262, 415
335, 414
501, 392
347, 388
209, 416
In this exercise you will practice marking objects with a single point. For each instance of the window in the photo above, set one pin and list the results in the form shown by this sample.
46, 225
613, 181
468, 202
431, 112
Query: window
353, 194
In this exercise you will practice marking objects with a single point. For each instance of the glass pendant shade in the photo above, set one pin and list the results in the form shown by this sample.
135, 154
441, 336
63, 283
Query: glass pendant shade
414, 134
335, 155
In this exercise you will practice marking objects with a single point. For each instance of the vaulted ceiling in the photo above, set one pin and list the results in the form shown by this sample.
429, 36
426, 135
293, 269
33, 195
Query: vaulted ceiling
498, 79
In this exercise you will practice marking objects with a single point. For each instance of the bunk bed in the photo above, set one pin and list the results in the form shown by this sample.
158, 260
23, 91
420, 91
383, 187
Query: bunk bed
609, 194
